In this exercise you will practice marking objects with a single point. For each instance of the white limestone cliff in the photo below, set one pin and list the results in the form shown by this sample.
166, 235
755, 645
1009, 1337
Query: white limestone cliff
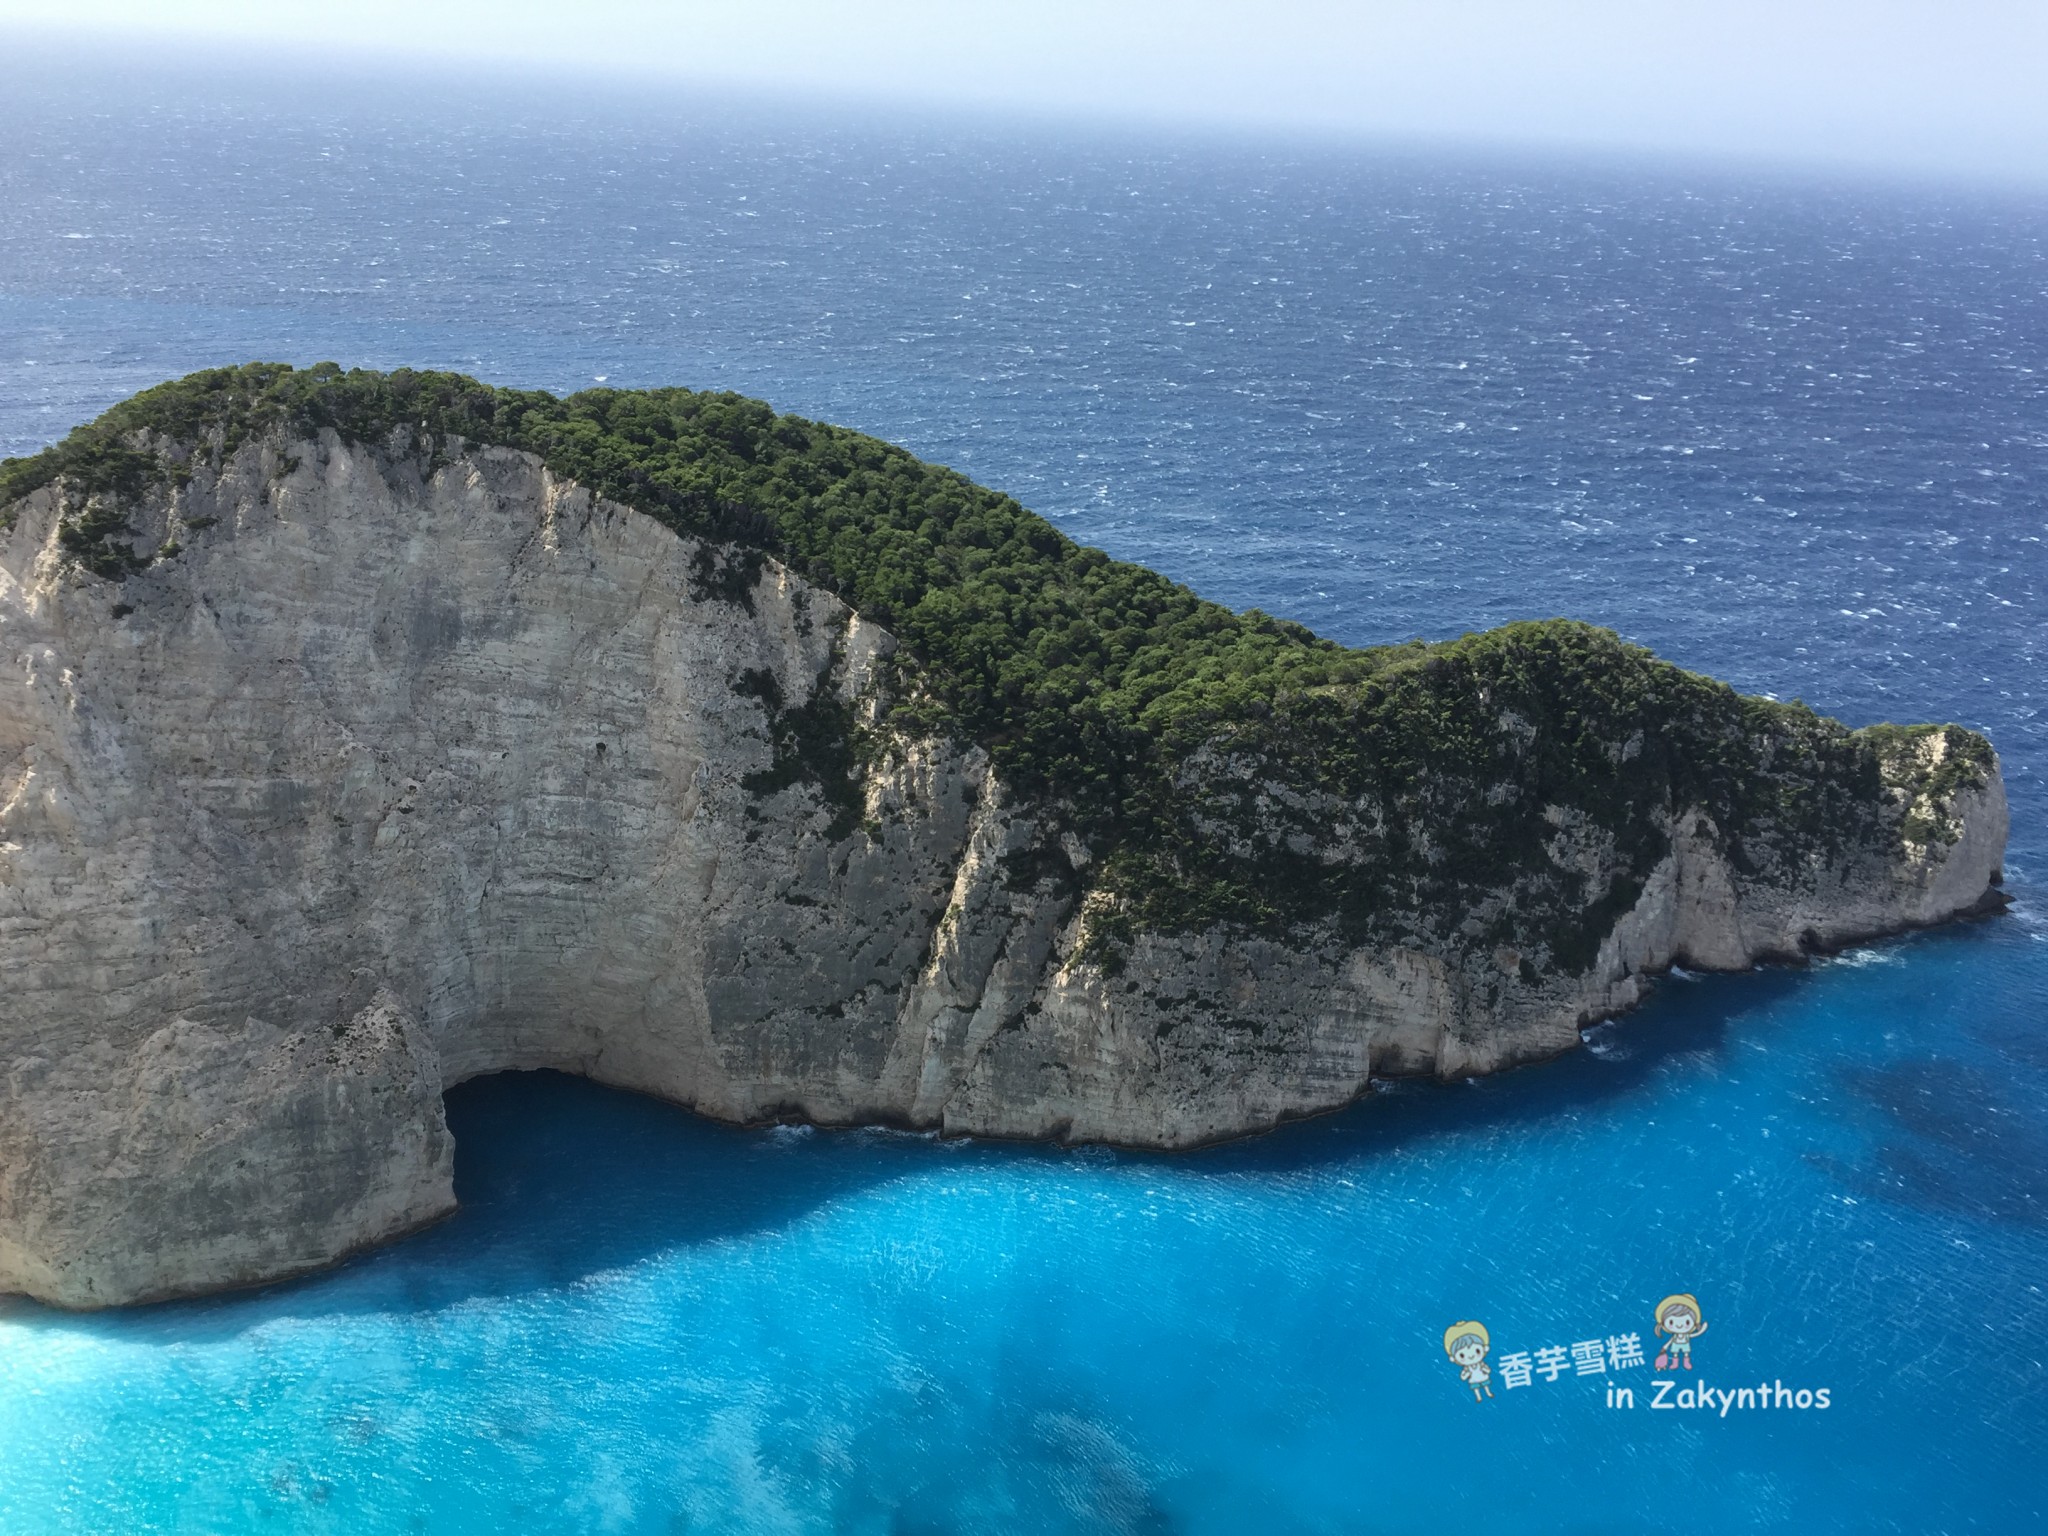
402, 771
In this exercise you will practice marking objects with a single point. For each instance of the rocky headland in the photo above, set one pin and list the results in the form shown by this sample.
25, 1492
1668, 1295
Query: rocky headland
364, 733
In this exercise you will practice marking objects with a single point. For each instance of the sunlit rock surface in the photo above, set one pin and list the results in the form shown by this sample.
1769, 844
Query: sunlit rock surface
404, 768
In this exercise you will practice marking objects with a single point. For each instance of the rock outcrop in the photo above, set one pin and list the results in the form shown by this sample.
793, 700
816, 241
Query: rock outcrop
400, 764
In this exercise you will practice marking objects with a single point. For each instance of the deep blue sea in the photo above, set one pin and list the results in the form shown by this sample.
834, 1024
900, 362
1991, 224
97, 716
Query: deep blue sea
1791, 433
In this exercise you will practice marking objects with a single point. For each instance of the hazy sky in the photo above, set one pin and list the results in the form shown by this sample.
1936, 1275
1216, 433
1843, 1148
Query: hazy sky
1916, 85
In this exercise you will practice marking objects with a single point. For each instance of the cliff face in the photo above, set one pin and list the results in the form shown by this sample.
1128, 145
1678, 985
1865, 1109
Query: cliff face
402, 764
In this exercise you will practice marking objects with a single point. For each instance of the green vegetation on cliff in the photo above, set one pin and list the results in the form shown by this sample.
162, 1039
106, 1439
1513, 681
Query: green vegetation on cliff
1227, 767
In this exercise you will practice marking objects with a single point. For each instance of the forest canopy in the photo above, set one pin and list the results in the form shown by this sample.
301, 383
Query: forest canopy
1229, 766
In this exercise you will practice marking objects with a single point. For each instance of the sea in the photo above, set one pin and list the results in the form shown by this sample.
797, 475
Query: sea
1787, 428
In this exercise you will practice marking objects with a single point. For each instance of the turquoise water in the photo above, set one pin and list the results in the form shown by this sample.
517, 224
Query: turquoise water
643, 1322
1790, 434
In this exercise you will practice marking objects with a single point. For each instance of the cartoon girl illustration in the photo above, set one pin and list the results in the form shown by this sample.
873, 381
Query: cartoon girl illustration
1467, 1344
1678, 1318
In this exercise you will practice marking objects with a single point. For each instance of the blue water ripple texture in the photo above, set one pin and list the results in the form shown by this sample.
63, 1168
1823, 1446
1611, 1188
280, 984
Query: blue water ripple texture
1789, 433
